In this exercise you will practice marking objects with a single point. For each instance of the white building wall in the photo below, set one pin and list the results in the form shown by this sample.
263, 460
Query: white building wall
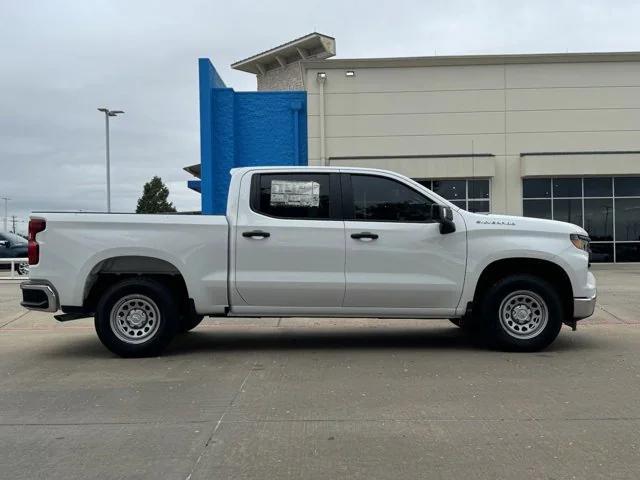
503, 110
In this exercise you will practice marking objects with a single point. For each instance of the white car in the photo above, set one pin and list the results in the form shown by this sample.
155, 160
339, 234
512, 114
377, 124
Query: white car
330, 242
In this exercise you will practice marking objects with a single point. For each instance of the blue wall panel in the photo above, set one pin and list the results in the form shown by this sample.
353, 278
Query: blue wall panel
239, 129
195, 185
223, 151
266, 128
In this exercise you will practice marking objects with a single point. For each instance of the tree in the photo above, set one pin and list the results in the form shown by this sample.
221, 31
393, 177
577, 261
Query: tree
154, 198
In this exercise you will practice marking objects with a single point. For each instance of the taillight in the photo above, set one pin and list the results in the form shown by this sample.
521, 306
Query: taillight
36, 225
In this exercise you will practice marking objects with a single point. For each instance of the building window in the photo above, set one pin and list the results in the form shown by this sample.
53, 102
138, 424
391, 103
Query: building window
606, 207
471, 194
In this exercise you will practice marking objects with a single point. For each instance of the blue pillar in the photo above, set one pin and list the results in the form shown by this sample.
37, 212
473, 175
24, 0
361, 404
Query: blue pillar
209, 83
205, 79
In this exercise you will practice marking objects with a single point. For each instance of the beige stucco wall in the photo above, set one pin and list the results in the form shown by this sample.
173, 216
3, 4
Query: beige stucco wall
580, 165
504, 110
428, 168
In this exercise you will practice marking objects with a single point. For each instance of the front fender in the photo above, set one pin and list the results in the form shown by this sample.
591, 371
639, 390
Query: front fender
489, 246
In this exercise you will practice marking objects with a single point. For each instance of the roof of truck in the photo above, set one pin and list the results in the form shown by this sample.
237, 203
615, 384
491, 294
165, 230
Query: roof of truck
235, 171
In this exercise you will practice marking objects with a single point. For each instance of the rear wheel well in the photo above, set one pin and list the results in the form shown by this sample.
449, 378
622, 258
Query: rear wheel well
544, 269
114, 270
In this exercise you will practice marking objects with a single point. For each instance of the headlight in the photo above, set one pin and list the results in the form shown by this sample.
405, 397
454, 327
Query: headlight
580, 241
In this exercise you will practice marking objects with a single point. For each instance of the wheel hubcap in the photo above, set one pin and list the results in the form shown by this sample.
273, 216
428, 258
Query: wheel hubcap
523, 314
135, 318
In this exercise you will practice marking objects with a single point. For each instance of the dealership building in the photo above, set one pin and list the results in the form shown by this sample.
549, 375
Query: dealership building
543, 135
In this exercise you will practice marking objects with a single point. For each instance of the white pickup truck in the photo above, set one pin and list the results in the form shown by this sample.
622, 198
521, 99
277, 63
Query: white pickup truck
330, 242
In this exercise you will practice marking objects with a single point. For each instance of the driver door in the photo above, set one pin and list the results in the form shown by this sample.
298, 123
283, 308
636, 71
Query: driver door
396, 257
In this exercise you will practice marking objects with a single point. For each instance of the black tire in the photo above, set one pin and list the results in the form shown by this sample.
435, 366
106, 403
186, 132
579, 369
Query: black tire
190, 321
136, 304
531, 296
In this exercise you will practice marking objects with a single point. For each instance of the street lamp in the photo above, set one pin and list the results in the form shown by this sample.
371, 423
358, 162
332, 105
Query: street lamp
6, 216
108, 113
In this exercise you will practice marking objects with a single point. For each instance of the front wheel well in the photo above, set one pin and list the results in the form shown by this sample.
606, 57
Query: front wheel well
545, 269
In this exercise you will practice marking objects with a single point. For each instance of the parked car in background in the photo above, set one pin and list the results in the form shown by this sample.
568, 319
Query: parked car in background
315, 241
14, 246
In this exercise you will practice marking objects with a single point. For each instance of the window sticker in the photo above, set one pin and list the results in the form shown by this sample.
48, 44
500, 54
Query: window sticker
295, 193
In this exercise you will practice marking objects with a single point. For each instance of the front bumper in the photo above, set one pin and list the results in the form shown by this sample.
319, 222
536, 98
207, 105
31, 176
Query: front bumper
585, 303
583, 307
38, 295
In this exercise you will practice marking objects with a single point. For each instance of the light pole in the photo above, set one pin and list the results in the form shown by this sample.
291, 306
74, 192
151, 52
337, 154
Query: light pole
6, 217
108, 113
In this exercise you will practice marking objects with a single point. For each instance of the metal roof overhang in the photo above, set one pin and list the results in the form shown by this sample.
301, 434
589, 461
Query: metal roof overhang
194, 170
314, 45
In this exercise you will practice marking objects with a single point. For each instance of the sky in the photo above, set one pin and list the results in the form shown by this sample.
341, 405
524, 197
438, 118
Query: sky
61, 60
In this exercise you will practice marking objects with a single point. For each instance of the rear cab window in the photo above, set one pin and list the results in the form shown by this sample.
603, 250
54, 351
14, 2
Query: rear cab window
301, 196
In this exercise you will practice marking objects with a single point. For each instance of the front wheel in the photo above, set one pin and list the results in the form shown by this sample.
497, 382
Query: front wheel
521, 313
136, 318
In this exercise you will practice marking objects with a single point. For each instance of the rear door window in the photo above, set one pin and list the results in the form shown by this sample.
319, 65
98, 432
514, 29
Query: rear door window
304, 196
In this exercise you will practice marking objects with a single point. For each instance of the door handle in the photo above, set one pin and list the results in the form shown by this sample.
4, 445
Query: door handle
256, 233
361, 235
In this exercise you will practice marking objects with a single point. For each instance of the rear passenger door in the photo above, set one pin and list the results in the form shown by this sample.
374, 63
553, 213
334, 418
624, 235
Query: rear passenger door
290, 244
396, 257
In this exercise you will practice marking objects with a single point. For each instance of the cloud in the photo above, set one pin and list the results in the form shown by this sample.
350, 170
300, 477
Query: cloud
62, 60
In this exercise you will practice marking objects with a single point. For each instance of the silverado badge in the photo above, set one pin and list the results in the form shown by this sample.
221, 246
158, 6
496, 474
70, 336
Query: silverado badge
496, 222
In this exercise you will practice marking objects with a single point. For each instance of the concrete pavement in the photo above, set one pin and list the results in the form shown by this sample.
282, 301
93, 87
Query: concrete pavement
323, 398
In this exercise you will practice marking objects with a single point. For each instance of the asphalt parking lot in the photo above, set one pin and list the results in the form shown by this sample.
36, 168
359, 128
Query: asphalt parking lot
323, 398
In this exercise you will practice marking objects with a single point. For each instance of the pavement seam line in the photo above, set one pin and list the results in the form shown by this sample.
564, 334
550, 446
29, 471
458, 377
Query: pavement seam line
217, 426
15, 319
93, 424
337, 420
612, 314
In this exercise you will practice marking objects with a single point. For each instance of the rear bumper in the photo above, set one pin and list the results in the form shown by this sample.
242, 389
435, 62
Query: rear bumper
583, 307
39, 295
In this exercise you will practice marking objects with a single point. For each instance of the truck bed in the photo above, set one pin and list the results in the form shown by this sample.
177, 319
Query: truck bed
74, 247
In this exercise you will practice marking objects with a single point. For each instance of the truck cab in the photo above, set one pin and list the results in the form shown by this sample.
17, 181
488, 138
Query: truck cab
343, 242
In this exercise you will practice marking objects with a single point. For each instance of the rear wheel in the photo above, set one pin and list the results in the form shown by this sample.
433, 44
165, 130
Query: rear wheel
136, 318
521, 313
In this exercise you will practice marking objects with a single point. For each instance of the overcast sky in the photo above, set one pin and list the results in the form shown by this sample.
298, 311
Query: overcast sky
60, 60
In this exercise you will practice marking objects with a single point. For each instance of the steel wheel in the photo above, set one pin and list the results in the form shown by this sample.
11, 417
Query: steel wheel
22, 268
135, 318
523, 314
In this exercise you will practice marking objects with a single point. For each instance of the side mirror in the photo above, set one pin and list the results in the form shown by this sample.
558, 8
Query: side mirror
444, 216
4, 243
